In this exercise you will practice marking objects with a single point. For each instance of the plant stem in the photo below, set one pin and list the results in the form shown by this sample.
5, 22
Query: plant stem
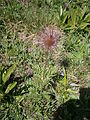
45, 65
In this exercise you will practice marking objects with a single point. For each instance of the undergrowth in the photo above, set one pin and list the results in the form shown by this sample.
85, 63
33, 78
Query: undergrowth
34, 98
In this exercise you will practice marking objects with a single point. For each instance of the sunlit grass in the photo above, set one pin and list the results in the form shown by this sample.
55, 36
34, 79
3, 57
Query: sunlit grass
51, 65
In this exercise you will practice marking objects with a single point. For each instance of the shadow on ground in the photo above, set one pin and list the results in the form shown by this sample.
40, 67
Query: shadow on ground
75, 109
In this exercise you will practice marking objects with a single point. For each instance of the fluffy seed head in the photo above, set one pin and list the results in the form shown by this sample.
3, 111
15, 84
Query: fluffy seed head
49, 37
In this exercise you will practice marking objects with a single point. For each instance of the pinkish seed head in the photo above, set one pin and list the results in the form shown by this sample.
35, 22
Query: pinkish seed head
49, 37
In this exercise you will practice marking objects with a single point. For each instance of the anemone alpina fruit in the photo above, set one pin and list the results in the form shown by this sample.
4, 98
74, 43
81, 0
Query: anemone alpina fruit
49, 37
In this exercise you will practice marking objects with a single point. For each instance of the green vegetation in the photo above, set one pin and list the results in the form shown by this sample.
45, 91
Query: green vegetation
36, 80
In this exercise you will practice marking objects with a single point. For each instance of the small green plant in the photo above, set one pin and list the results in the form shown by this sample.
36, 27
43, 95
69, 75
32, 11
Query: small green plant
4, 77
77, 19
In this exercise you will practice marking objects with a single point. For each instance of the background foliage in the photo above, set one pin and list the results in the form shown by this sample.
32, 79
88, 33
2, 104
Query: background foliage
23, 94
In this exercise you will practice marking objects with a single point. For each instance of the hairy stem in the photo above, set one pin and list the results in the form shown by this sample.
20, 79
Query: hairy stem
45, 65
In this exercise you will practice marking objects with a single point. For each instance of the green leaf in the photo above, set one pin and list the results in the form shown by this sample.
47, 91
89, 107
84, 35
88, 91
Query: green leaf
83, 25
73, 17
83, 12
87, 17
65, 77
65, 17
48, 1
19, 98
8, 73
10, 87
1, 88
70, 90
1, 96
69, 28
78, 12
